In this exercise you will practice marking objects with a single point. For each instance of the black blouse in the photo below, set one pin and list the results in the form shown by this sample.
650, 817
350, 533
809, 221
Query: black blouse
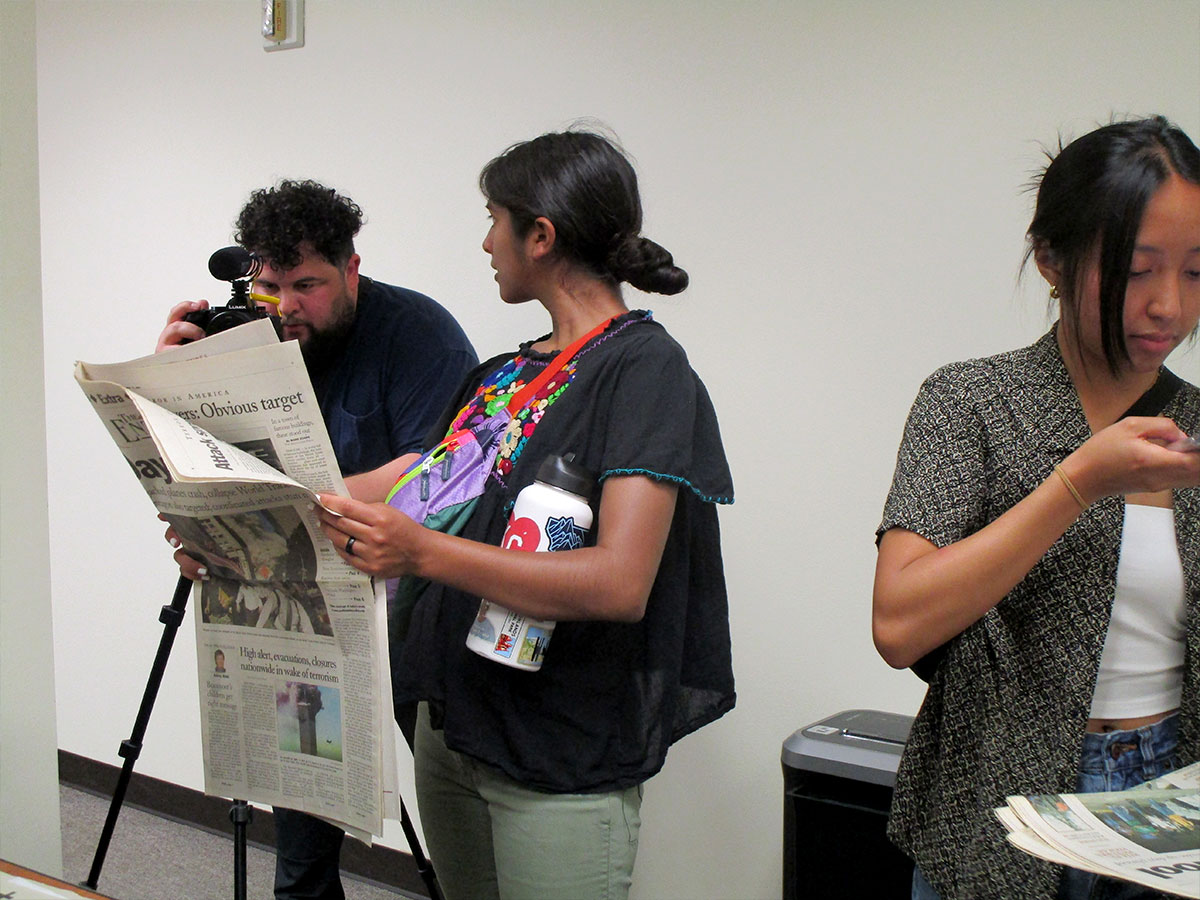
610, 697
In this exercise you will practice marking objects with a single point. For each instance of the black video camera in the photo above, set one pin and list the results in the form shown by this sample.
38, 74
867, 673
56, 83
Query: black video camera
239, 267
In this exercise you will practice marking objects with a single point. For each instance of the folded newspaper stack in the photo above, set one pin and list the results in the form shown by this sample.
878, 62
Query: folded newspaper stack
226, 437
1149, 835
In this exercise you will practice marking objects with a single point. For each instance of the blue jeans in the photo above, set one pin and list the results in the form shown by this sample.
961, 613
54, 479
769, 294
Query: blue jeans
1115, 761
921, 888
1112, 761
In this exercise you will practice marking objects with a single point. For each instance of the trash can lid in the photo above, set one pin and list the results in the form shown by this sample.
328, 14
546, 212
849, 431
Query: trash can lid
862, 744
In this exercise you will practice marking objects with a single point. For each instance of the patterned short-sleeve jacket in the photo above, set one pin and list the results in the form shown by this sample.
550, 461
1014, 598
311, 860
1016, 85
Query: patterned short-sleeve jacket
1007, 707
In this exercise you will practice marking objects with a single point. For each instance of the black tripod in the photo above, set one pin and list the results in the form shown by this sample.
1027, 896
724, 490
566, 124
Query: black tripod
171, 617
240, 813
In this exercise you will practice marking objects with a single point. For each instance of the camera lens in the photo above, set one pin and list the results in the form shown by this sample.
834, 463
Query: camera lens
224, 319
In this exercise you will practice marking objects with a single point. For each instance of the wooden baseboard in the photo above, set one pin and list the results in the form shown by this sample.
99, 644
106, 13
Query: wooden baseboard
381, 864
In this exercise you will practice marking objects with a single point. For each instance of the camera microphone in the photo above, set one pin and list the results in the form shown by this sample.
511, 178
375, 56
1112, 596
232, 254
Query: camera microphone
239, 267
233, 264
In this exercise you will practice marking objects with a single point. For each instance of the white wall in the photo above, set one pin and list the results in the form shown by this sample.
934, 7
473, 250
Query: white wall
28, 762
842, 181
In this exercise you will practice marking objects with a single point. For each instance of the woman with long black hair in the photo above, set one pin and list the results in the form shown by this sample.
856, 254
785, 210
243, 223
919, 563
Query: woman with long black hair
1039, 554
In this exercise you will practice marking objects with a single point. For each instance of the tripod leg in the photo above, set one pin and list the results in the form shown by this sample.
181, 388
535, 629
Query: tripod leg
424, 867
240, 814
170, 616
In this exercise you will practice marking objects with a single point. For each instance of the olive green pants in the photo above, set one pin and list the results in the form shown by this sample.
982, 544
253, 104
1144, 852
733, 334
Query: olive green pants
490, 838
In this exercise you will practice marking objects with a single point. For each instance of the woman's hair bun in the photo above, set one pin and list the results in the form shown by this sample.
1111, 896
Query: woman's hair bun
646, 265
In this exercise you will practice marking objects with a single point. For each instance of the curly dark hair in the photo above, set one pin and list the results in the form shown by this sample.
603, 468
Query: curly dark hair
276, 221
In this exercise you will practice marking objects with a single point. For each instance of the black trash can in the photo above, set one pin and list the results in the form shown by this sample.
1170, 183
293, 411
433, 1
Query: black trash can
838, 777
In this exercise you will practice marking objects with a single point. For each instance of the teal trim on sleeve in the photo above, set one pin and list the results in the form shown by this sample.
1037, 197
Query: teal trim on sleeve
658, 476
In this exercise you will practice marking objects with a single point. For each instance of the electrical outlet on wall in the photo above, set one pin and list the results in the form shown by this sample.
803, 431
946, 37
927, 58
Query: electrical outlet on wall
282, 24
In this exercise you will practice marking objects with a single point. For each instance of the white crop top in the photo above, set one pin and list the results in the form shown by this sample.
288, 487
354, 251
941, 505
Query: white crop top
1141, 670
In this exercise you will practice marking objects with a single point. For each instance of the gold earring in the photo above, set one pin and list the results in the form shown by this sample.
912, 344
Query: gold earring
1054, 295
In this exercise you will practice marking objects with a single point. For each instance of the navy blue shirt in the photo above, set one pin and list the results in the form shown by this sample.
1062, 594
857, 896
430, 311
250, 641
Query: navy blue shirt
403, 360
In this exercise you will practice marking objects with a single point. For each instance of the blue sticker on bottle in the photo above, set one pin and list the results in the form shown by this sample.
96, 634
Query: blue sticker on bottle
563, 534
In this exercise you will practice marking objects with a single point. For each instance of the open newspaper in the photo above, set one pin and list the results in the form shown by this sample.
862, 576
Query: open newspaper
1149, 835
226, 437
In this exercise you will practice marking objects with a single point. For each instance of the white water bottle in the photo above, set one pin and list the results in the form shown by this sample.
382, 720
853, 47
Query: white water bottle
550, 514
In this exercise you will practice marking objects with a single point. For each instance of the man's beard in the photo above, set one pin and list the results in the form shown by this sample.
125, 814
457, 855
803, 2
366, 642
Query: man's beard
322, 348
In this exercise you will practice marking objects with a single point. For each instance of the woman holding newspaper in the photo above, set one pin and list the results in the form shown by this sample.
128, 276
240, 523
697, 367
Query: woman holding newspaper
530, 783
1039, 554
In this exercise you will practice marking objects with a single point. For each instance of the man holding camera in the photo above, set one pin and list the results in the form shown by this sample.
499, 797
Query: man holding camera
384, 361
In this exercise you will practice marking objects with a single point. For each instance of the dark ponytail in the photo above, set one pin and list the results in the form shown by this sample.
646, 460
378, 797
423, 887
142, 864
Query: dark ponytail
586, 186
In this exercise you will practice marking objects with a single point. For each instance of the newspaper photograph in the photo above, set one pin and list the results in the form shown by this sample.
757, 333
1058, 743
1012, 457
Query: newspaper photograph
226, 437
1148, 835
